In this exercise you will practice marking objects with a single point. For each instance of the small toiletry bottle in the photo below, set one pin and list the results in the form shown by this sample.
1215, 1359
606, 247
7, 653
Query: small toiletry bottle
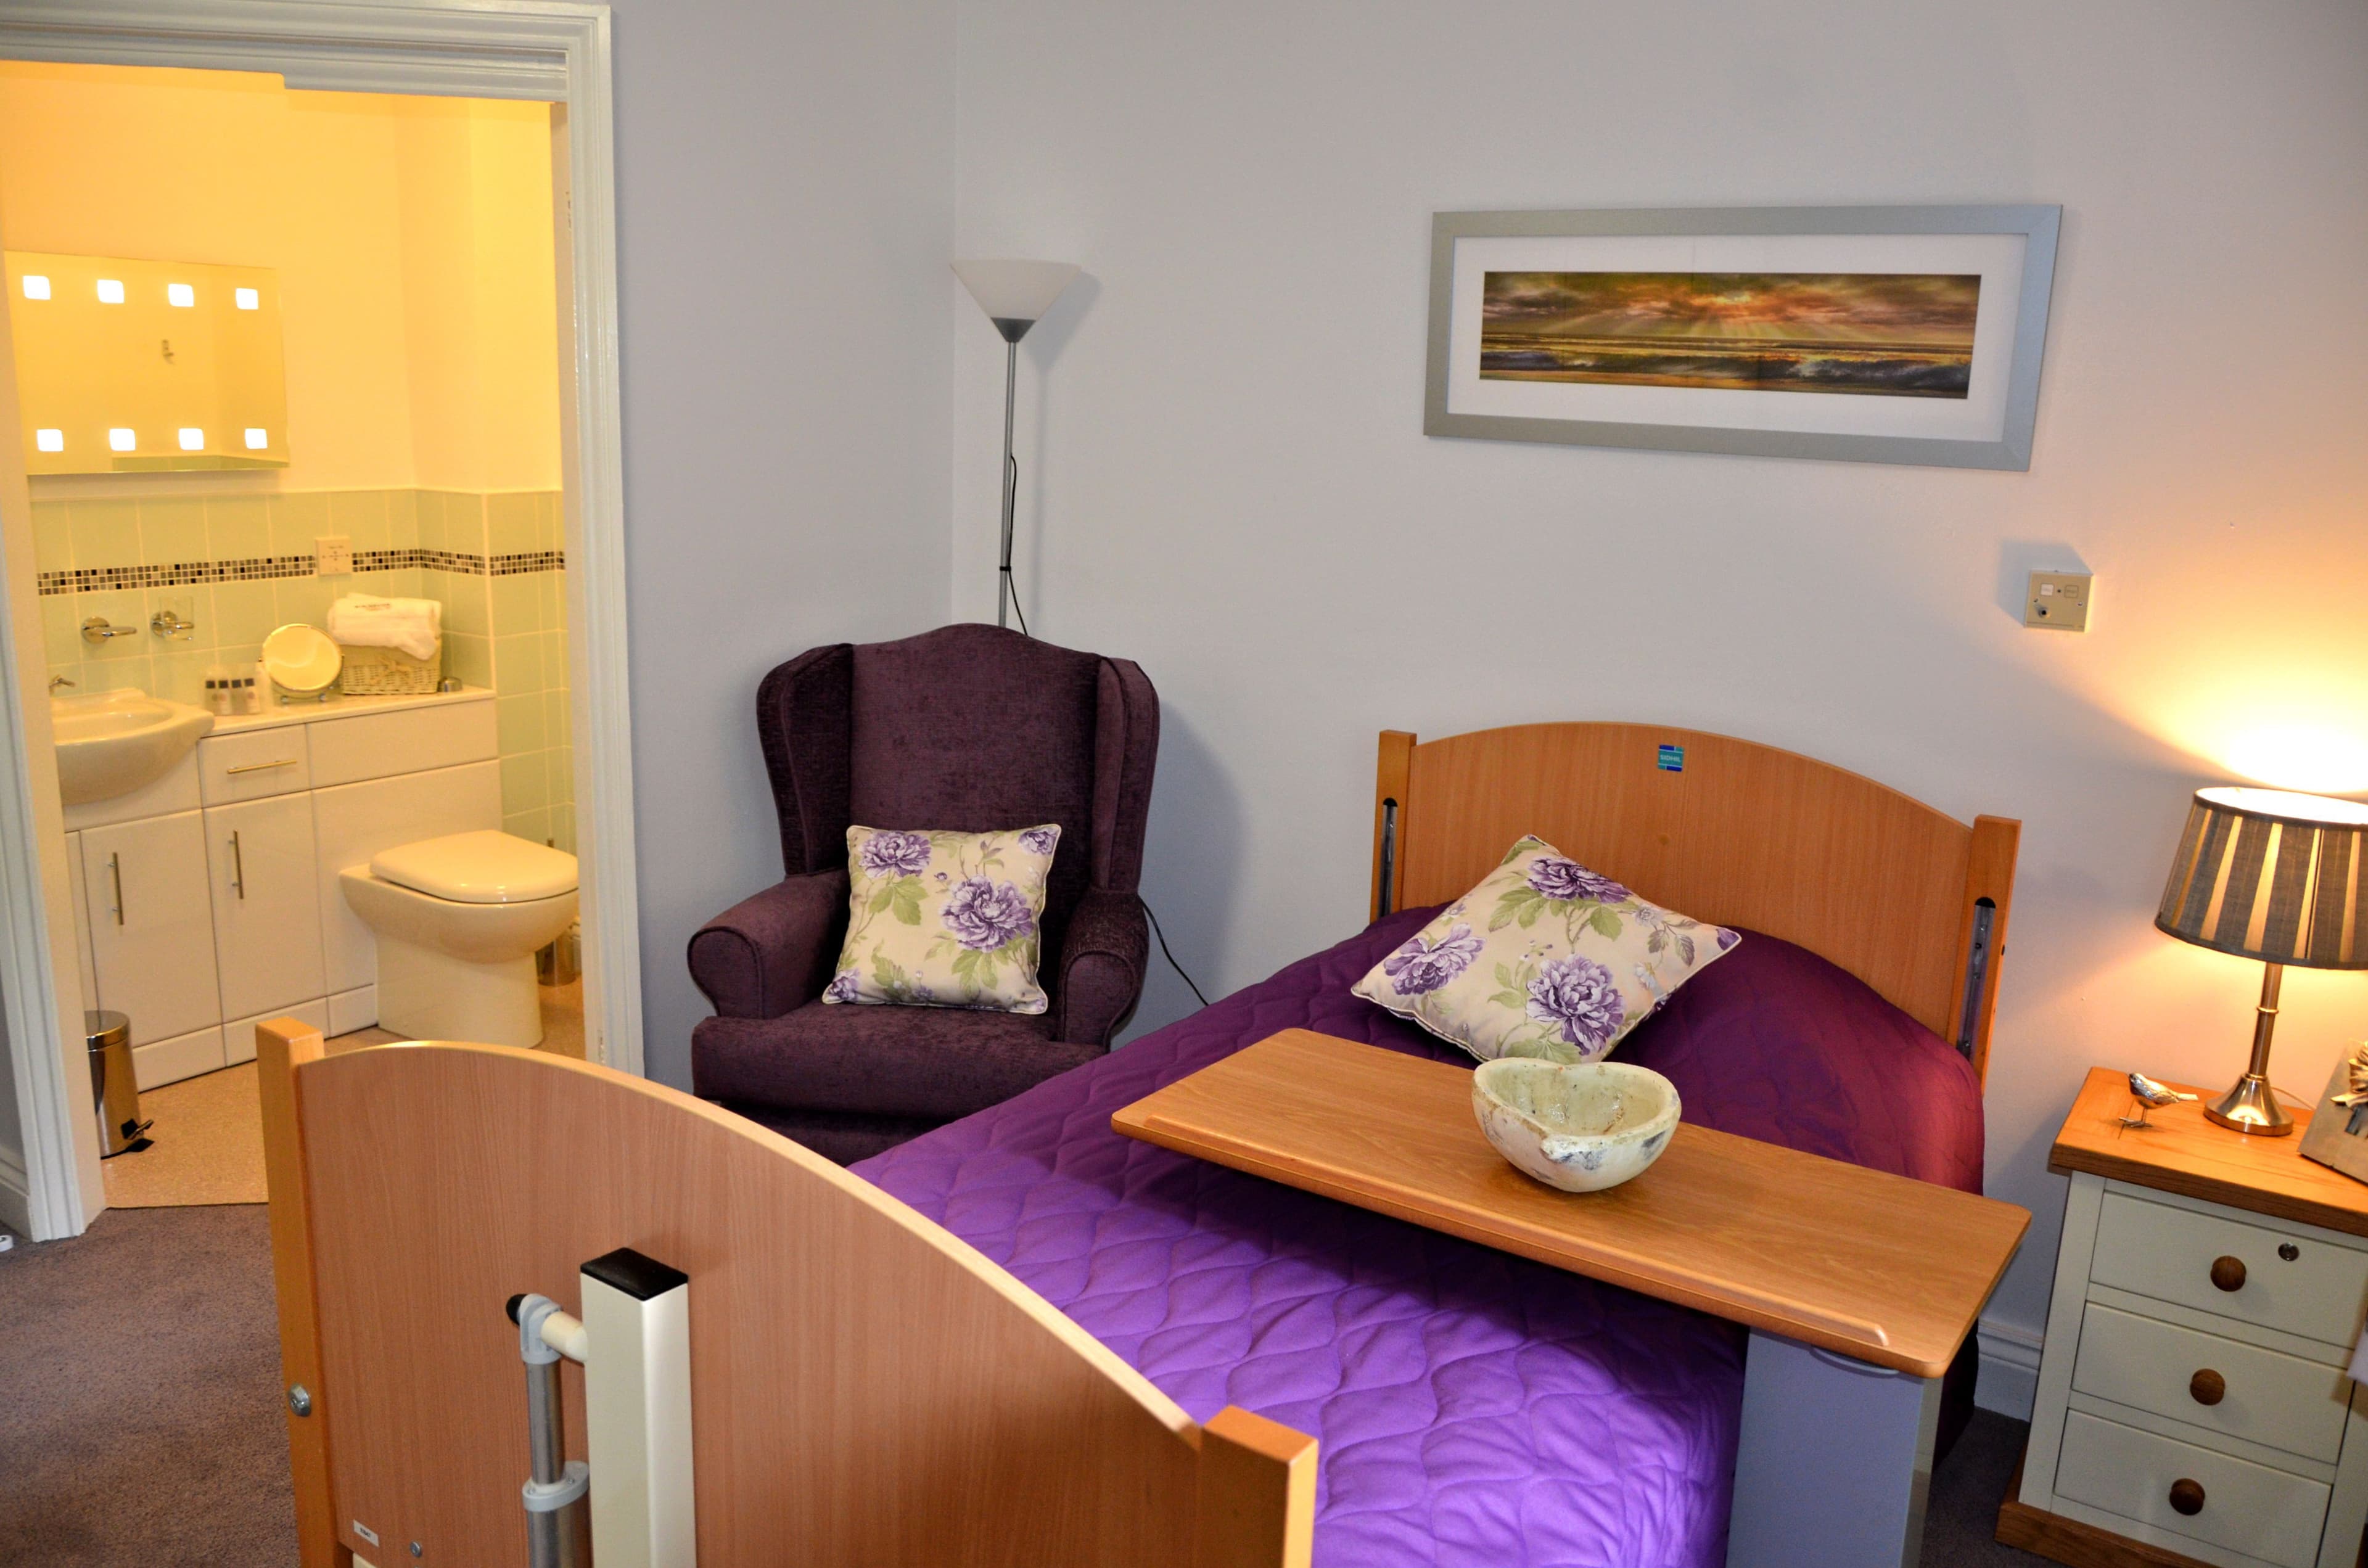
250, 700
217, 694
261, 683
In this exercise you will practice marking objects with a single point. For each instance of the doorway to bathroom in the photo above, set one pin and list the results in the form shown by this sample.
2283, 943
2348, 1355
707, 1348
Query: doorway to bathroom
356, 580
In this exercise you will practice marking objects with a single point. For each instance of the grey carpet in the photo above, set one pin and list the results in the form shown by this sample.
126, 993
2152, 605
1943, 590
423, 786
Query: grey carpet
140, 1396
140, 1407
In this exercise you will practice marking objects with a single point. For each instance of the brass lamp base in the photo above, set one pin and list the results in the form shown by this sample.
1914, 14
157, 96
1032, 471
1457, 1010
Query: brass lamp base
2251, 1106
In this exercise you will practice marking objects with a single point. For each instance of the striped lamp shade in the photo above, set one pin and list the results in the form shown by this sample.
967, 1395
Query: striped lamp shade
2271, 875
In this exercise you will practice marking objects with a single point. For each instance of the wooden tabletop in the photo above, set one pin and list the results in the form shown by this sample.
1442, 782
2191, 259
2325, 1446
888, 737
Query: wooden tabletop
2184, 1153
1878, 1266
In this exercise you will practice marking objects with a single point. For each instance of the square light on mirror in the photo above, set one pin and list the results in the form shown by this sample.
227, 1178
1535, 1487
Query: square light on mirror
188, 354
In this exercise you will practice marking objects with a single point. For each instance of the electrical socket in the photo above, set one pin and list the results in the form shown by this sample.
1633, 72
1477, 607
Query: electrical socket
331, 554
2058, 601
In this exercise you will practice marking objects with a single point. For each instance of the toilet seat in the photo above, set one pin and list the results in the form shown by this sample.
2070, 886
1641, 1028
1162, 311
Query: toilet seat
484, 867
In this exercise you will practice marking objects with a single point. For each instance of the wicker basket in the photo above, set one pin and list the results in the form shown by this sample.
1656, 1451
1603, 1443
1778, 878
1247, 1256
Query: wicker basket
390, 672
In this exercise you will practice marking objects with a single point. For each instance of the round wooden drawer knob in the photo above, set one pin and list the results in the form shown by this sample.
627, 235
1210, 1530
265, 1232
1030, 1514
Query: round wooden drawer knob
2207, 1387
2229, 1273
2186, 1497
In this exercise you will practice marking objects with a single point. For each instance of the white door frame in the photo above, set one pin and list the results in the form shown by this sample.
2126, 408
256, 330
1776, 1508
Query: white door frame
553, 51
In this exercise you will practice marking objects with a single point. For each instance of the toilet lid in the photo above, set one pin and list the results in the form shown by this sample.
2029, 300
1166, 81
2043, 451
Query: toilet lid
478, 868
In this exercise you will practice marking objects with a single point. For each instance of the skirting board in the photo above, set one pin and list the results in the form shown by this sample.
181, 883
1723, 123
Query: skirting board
2009, 1383
15, 1196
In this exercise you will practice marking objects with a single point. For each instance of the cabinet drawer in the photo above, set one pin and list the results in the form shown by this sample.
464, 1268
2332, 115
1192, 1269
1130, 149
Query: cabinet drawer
2264, 1395
2246, 1508
409, 740
2168, 1254
251, 765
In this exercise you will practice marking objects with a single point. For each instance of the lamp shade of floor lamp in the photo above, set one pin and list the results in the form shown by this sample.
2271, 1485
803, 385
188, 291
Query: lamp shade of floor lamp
2271, 875
1015, 295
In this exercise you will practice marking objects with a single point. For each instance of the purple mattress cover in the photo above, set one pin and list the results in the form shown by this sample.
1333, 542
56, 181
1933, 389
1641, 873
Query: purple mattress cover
1473, 1408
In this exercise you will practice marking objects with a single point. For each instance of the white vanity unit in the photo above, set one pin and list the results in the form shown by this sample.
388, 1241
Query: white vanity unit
207, 899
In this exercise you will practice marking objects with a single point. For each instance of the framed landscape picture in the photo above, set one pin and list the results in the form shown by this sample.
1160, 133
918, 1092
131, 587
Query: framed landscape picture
1907, 335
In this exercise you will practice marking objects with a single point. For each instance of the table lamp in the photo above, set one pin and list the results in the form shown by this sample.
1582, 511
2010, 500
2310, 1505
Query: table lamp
1015, 295
2271, 875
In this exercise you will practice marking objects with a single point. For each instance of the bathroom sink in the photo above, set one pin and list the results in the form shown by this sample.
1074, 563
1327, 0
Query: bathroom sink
111, 742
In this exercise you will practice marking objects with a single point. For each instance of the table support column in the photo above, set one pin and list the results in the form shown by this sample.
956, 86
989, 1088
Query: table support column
1833, 1462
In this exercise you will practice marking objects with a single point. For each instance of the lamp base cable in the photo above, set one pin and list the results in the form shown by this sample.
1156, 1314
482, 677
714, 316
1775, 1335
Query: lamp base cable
1163, 943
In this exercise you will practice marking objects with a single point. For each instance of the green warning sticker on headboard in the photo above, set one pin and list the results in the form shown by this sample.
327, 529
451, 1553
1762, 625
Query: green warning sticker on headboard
1672, 759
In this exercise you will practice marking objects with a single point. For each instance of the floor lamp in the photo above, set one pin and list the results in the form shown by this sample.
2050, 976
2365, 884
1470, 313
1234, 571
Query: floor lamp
1015, 295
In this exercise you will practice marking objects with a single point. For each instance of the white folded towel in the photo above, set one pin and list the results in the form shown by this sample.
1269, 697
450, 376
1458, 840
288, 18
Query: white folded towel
416, 626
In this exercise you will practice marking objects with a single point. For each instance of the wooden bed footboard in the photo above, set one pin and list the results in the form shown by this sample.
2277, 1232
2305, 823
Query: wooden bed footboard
866, 1388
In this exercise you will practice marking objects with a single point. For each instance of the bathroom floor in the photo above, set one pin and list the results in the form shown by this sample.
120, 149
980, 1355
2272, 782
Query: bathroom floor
207, 1141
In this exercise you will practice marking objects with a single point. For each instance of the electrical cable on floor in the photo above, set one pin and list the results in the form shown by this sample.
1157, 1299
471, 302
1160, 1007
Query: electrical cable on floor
1163, 943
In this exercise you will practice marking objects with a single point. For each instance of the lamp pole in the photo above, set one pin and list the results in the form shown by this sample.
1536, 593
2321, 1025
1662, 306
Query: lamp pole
1011, 477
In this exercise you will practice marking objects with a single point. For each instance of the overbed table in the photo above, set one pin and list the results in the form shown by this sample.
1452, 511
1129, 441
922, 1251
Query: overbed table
1857, 1286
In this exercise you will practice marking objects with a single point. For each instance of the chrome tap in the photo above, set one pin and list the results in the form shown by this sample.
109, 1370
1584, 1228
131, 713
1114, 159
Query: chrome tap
95, 631
57, 681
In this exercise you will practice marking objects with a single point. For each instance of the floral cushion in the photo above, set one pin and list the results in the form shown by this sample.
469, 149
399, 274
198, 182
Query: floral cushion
945, 919
1545, 958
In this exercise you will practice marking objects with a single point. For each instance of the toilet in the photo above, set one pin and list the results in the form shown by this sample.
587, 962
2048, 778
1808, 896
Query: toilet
459, 920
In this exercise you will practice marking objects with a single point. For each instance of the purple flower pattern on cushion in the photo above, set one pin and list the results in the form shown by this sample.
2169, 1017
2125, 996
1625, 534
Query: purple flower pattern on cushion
984, 915
1555, 877
895, 854
1420, 966
844, 986
1578, 995
1040, 840
1727, 938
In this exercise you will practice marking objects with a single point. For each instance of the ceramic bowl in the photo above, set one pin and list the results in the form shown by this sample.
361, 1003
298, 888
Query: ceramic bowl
1581, 1127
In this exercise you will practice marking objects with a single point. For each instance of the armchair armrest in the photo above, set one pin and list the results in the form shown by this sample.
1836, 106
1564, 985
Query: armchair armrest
770, 954
1102, 957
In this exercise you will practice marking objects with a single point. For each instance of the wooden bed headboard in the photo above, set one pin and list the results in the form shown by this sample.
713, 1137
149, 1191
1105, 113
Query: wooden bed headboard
1907, 898
867, 1390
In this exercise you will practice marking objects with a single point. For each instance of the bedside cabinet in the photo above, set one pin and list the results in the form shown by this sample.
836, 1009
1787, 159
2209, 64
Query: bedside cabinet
2193, 1405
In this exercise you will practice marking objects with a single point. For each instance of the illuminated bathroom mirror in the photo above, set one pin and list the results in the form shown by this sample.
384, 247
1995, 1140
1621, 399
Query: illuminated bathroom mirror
124, 366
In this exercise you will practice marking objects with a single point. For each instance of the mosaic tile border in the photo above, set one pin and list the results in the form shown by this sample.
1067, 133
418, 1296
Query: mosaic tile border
260, 568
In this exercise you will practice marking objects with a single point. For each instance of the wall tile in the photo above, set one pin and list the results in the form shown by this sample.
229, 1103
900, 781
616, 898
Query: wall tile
238, 527
470, 660
464, 523
517, 603
62, 629
519, 722
53, 535
522, 783
361, 515
297, 521
244, 612
557, 721
401, 519
517, 663
304, 599
428, 519
181, 676
106, 534
532, 825
513, 523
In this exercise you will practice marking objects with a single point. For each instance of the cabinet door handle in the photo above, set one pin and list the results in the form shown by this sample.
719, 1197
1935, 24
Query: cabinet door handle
2207, 1387
115, 870
237, 866
2229, 1273
260, 767
2187, 1496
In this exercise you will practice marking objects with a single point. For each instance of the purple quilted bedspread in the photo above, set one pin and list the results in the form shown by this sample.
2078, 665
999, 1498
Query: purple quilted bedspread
1473, 1408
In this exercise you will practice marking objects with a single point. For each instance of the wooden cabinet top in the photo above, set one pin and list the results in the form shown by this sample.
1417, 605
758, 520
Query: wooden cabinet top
2182, 1152
1877, 1266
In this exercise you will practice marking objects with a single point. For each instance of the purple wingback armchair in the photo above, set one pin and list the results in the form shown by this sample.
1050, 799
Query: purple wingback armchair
967, 728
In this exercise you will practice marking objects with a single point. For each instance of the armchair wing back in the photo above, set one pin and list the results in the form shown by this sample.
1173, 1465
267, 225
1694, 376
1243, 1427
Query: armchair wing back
969, 728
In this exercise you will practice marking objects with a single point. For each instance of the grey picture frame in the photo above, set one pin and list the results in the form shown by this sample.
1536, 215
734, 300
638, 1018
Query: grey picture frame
2039, 224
